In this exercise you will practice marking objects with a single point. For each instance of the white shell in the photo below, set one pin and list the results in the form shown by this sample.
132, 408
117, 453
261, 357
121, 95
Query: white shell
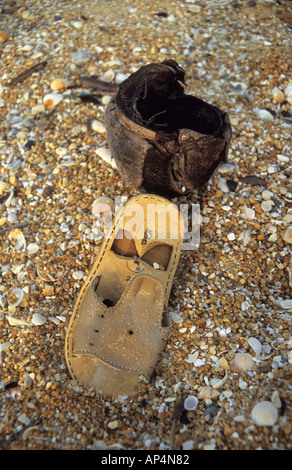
102, 205
249, 213
38, 319
52, 99
32, 248
98, 127
265, 115
243, 362
191, 403
108, 76
18, 293
255, 345
286, 304
264, 413
106, 156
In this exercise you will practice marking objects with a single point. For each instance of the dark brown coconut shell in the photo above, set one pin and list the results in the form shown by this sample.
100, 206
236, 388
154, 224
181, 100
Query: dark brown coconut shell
162, 140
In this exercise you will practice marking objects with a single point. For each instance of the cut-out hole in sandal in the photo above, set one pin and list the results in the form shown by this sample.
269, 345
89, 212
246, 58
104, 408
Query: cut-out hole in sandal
124, 244
159, 254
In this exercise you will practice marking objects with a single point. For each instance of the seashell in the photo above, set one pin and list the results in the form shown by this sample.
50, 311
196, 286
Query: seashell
108, 76
16, 321
81, 56
265, 115
276, 400
32, 248
27, 431
102, 205
192, 357
12, 218
267, 195
288, 93
105, 99
278, 96
267, 205
93, 69
217, 383
38, 319
4, 346
208, 392
3, 187
255, 345
120, 77
77, 24
17, 296
249, 213
243, 362
286, 304
48, 291
99, 127
191, 403
290, 275
287, 237
59, 84
264, 413
3, 300
52, 99
106, 156
3, 36
17, 239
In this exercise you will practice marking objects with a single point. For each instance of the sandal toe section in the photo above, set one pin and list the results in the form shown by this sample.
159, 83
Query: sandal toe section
129, 336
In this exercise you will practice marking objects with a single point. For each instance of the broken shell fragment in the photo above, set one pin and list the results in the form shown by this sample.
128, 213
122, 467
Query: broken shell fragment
264, 413
255, 345
52, 99
287, 237
16, 297
32, 248
243, 362
17, 239
38, 319
208, 392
